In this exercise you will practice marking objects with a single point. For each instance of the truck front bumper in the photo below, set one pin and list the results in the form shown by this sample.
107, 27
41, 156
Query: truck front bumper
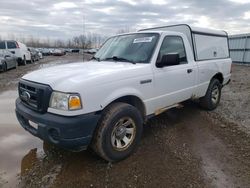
72, 133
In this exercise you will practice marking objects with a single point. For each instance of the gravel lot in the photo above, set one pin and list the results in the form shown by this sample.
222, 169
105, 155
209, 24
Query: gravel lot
235, 101
185, 147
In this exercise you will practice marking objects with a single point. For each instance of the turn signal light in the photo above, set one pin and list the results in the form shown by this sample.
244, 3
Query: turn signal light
75, 103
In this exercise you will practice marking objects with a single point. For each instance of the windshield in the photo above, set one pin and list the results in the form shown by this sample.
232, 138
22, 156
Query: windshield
2, 45
136, 48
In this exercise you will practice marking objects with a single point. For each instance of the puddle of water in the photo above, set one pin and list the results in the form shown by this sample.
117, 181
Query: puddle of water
213, 154
15, 142
213, 168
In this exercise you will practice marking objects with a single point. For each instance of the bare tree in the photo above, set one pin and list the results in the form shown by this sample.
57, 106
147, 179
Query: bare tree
69, 43
82, 40
76, 41
123, 30
89, 40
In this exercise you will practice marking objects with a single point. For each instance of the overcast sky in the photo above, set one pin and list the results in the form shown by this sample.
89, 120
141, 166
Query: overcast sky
65, 18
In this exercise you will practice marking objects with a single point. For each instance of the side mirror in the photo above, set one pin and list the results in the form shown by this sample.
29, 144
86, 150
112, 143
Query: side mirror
169, 60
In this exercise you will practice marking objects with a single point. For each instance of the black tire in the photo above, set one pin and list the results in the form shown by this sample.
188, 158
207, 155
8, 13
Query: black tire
4, 68
16, 65
19, 61
107, 128
209, 101
24, 60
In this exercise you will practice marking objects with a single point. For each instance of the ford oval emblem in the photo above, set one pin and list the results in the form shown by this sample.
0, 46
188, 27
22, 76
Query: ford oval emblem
25, 96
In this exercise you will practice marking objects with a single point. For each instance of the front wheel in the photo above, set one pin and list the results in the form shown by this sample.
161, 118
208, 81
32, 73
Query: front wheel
24, 60
118, 133
4, 67
212, 98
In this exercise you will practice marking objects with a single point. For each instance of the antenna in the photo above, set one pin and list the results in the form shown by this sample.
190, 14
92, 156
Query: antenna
83, 29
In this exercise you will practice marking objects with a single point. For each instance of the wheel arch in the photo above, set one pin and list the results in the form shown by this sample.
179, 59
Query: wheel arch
218, 76
132, 100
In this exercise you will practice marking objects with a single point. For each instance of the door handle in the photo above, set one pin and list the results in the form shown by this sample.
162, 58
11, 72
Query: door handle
189, 71
145, 81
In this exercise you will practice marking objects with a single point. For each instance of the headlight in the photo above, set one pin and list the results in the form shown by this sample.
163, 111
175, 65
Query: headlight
65, 101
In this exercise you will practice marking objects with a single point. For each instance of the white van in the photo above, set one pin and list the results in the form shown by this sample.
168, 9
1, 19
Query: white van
19, 49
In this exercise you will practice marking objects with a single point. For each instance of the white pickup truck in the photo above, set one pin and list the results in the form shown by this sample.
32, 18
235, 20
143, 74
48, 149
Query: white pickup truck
104, 103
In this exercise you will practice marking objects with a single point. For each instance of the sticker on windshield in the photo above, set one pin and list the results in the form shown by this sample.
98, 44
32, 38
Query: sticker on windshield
144, 39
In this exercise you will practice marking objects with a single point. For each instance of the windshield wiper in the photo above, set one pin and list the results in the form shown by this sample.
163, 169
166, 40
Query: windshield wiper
115, 58
95, 58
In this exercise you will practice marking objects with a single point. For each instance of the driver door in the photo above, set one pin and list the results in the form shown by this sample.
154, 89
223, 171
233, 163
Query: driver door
173, 84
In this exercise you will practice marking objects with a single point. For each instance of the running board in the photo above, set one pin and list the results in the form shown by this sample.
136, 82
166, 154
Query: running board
161, 110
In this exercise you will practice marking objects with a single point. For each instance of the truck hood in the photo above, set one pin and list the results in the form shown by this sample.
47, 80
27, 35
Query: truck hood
92, 73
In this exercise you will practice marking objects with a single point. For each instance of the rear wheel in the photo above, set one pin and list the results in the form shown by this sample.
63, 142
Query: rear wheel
16, 65
212, 98
118, 133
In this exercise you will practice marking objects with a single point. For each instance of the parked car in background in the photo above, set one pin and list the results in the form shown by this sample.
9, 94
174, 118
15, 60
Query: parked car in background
75, 50
92, 51
7, 60
46, 52
58, 52
67, 50
34, 54
40, 54
85, 50
19, 49
51, 50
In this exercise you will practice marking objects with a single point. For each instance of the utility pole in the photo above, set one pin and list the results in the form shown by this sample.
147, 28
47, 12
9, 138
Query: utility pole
83, 29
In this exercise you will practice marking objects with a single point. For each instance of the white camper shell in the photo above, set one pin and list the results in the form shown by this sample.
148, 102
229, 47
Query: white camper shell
206, 43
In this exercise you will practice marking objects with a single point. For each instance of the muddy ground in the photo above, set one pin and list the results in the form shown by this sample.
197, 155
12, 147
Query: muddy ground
185, 147
9, 79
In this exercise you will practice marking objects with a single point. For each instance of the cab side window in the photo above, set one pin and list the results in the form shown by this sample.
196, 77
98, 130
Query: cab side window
173, 44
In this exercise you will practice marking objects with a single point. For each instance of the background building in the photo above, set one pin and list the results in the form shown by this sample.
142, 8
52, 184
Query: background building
239, 47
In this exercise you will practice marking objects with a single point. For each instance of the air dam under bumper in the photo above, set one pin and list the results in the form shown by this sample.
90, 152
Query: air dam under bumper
72, 133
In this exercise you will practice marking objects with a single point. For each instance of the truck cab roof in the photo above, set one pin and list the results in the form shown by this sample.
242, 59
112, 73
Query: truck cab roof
216, 40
